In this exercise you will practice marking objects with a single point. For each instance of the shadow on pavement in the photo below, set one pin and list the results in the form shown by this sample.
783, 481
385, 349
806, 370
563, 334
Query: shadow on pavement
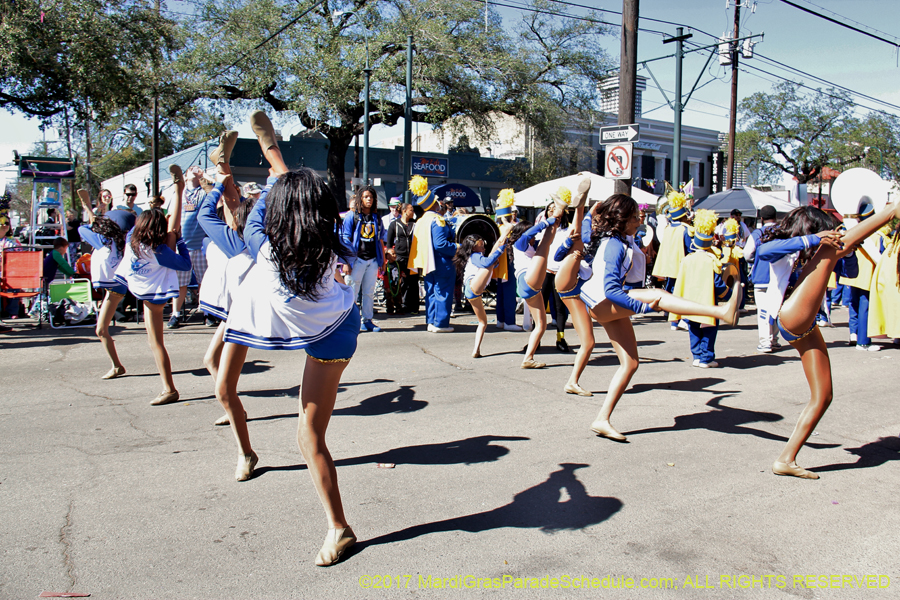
543, 507
725, 419
468, 451
873, 454
400, 400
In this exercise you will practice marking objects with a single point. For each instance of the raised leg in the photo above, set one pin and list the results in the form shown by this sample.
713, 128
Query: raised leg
537, 270
671, 303
107, 311
817, 368
265, 133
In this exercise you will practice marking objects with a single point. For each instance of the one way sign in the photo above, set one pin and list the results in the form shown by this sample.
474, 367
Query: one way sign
620, 133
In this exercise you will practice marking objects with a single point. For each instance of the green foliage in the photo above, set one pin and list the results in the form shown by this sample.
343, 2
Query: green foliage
786, 132
544, 73
87, 55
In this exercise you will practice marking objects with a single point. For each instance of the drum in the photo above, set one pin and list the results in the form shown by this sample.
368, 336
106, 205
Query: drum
479, 225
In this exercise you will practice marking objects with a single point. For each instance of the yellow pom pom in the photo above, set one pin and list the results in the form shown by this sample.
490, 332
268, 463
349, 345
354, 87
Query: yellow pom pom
418, 185
564, 194
732, 227
676, 200
506, 198
705, 221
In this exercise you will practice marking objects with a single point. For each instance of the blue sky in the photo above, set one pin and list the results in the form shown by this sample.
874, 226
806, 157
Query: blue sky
792, 37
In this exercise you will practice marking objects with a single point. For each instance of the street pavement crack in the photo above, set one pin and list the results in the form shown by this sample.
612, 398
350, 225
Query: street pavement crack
67, 547
446, 362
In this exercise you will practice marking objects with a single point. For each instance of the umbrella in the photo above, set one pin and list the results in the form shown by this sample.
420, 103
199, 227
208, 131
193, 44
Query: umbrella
601, 188
461, 195
746, 200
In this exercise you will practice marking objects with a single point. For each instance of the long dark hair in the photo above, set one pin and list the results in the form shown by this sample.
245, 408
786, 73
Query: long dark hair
517, 231
464, 251
150, 230
111, 231
805, 220
611, 220
302, 223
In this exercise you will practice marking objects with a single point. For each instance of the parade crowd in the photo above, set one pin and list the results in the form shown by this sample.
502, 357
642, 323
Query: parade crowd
280, 268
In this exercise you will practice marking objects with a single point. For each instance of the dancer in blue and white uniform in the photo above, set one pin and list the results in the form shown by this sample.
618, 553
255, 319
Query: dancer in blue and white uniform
228, 260
530, 260
148, 268
611, 305
291, 300
106, 234
477, 269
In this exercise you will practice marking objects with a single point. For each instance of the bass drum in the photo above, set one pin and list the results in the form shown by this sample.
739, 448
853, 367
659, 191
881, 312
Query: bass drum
479, 225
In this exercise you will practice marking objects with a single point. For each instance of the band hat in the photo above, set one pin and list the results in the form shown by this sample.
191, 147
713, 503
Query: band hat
562, 198
677, 202
505, 203
866, 210
732, 229
425, 198
704, 228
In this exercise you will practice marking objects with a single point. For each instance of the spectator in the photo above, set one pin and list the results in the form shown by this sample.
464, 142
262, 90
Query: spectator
7, 244
386, 220
73, 222
745, 231
193, 236
399, 237
130, 195
105, 203
55, 261
361, 232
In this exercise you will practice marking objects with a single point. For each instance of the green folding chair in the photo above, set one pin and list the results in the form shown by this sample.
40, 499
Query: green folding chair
77, 290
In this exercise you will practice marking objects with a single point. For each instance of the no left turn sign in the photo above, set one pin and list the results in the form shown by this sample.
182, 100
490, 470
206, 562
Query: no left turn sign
618, 161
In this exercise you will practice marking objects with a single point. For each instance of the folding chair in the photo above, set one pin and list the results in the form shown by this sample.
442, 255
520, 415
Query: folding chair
77, 290
21, 274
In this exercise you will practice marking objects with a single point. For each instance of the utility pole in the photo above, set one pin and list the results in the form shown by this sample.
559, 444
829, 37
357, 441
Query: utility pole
678, 106
734, 87
628, 75
154, 167
407, 123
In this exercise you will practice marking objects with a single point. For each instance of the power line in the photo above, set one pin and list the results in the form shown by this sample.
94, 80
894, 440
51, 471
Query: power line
642, 18
852, 21
825, 81
836, 22
818, 91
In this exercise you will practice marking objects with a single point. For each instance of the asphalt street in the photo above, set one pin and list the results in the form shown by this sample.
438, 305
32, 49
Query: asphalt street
497, 479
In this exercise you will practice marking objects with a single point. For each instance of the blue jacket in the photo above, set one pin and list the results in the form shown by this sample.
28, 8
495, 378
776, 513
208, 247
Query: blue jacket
350, 232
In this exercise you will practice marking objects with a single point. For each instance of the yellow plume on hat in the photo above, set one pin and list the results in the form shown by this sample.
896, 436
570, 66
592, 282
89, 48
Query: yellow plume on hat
506, 198
418, 185
564, 194
732, 227
705, 221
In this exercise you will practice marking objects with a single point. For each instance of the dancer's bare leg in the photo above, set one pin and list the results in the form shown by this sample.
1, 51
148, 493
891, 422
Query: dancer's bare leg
817, 368
478, 306
153, 322
107, 312
567, 275
535, 306
230, 365
621, 335
537, 270
318, 393
671, 303
584, 327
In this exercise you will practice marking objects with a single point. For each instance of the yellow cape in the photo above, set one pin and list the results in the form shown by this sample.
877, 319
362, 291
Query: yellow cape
671, 251
884, 296
421, 253
501, 271
695, 282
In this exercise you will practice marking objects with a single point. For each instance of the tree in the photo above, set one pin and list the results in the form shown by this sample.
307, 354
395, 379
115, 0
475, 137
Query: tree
545, 73
91, 56
786, 132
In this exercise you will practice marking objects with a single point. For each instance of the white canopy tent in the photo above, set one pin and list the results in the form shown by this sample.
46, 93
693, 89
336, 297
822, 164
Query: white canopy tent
538, 196
747, 200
